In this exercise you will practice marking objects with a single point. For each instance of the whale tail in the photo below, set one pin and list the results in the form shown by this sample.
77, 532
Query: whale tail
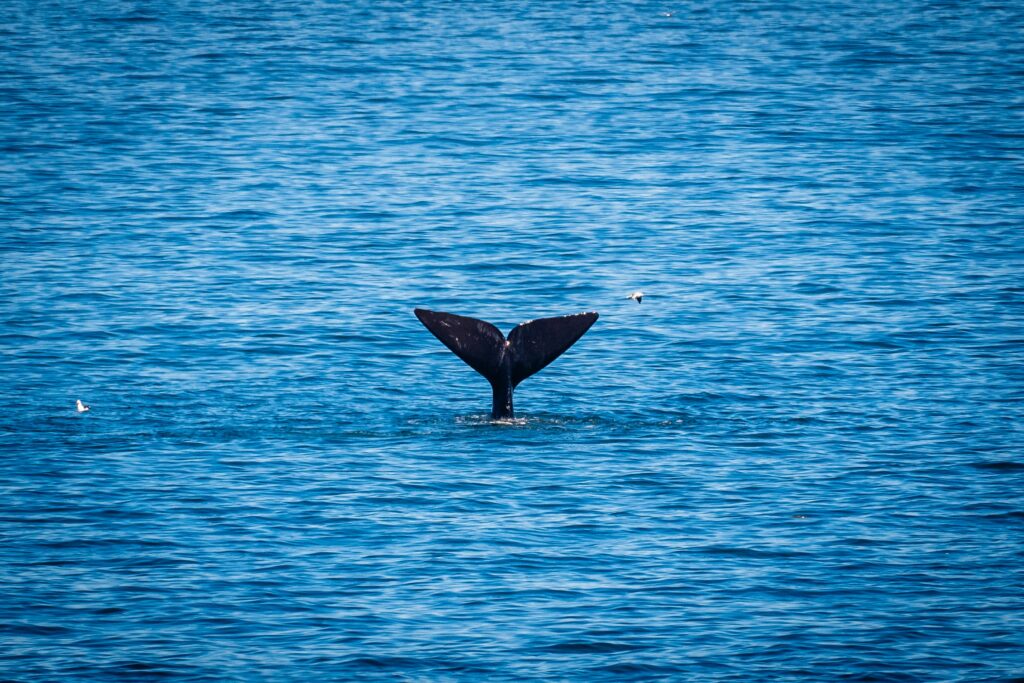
505, 363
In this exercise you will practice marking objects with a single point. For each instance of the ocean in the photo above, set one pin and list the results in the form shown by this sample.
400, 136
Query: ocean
798, 459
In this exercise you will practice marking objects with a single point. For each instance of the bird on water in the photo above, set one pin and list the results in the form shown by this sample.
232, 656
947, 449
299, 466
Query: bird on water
81, 406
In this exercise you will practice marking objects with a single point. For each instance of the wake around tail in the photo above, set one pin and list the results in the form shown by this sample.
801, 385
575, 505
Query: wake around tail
505, 363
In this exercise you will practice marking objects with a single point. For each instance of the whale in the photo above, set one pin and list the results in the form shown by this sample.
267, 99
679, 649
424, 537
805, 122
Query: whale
505, 362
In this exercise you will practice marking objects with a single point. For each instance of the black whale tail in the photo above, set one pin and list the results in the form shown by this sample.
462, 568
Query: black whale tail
506, 362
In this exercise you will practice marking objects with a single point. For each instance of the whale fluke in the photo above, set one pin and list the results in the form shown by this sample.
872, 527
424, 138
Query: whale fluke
505, 363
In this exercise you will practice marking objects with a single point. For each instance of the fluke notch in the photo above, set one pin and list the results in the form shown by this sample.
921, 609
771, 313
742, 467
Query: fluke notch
505, 363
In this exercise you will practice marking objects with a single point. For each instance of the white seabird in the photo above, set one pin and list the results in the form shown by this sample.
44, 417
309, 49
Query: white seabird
81, 406
637, 296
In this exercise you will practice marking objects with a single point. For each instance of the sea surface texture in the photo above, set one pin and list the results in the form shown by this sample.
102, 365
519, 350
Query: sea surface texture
798, 459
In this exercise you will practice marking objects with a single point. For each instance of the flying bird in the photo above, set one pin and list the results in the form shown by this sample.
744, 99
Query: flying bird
637, 296
81, 406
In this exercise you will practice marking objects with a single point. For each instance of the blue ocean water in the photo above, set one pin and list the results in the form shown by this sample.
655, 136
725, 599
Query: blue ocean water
799, 459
